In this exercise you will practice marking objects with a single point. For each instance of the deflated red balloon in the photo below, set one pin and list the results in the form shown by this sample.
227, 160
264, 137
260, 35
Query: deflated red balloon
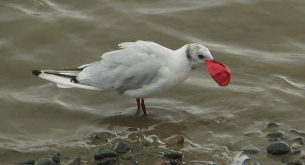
219, 72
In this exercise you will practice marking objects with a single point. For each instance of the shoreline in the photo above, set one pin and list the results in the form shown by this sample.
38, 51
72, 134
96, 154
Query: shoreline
134, 147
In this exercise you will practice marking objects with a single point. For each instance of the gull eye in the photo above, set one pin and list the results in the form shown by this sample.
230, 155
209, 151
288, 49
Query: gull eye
200, 56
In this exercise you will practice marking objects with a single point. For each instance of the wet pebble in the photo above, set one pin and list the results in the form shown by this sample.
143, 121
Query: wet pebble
121, 147
173, 162
102, 137
278, 148
250, 150
104, 153
56, 158
299, 140
297, 131
107, 162
45, 161
272, 125
26, 162
179, 139
133, 129
274, 136
258, 133
296, 152
295, 162
173, 154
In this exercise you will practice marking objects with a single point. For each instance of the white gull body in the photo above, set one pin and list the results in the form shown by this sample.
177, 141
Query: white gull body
139, 69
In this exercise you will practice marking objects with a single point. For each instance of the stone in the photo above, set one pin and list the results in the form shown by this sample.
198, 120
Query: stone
121, 147
257, 133
102, 137
272, 125
173, 154
299, 140
104, 153
295, 162
296, 152
179, 139
297, 132
107, 162
133, 129
278, 148
173, 162
56, 158
275, 135
250, 150
26, 162
45, 161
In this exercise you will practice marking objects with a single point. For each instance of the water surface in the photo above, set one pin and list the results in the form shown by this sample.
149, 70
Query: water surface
262, 41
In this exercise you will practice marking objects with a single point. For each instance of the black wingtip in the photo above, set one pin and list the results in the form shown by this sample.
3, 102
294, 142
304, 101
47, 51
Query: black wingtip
36, 72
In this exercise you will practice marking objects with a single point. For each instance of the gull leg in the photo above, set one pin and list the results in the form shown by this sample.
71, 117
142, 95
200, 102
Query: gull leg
138, 110
143, 107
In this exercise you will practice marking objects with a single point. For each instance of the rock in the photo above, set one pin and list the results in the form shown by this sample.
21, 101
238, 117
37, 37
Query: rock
162, 162
275, 135
250, 150
56, 158
299, 140
104, 153
121, 148
102, 137
296, 152
179, 139
272, 125
26, 162
173, 162
173, 154
107, 162
278, 148
297, 132
295, 162
258, 133
45, 161
133, 129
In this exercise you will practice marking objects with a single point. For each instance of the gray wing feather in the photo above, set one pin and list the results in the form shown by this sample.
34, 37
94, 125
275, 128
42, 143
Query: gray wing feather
130, 68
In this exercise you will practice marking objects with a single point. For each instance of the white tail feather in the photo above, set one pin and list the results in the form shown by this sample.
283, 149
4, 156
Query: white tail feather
63, 78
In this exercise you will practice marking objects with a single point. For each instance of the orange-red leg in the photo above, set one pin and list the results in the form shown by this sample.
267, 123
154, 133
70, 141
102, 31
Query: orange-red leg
143, 107
141, 104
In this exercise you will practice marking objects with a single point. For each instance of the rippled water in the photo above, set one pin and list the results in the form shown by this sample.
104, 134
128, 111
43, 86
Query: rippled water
262, 41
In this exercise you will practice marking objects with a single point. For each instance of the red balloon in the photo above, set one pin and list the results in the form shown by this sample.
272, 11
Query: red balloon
219, 72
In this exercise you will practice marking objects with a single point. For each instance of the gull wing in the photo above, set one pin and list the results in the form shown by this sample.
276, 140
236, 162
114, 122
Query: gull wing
137, 64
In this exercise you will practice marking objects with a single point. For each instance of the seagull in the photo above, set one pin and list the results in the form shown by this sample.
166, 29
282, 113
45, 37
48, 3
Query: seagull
138, 69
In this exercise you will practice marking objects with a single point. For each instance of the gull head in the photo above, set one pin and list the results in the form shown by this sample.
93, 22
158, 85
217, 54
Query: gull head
197, 54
